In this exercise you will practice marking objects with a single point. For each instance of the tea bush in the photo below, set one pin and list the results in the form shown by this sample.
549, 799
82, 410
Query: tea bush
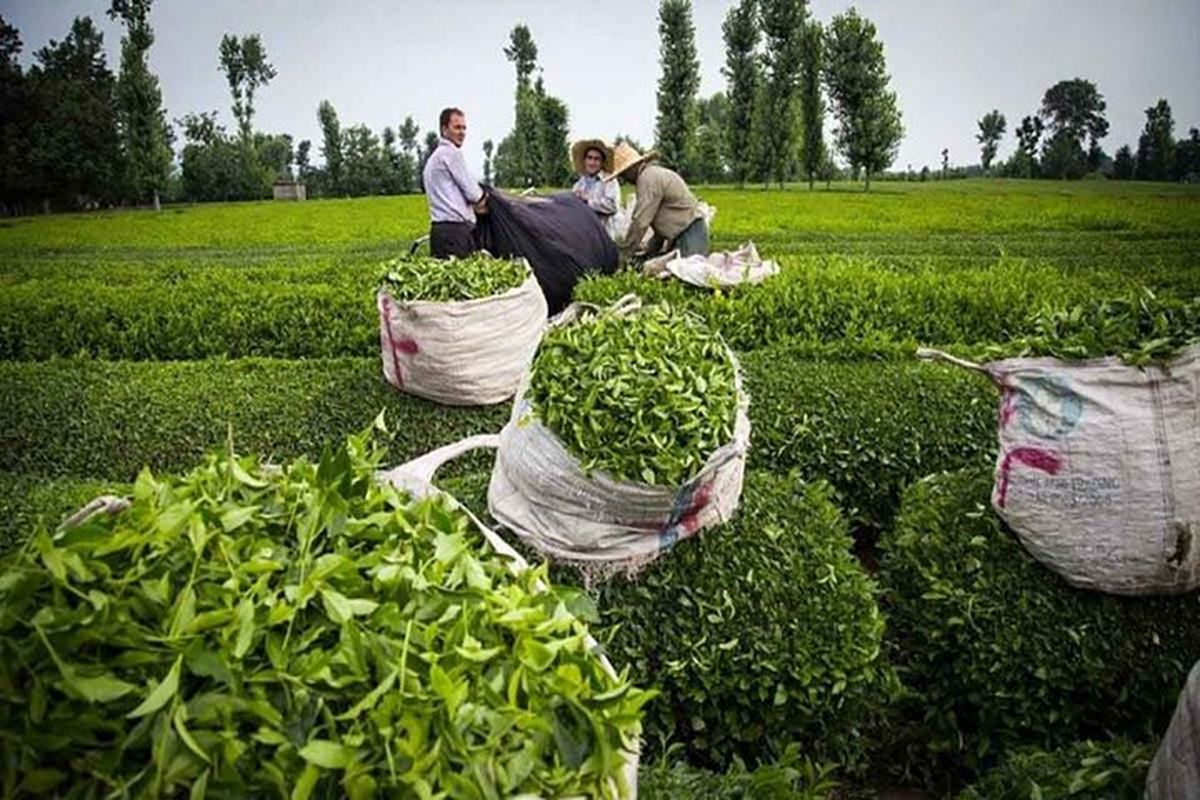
1111, 770
999, 653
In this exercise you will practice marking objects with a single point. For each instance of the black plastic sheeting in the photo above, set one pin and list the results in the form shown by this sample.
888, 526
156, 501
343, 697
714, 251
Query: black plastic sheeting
559, 235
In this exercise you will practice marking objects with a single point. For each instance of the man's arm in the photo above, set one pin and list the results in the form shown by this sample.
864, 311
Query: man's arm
649, 198
457, 166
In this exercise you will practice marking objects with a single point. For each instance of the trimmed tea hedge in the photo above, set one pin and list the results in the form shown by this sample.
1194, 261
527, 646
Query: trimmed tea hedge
837, 297
193, 320
106, 420
239, 311
26, 501
760, 633
1000, 653
791, 779
868, 427
1114, 770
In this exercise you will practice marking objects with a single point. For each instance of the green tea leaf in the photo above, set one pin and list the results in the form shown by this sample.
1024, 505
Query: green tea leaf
161, 694
327, 755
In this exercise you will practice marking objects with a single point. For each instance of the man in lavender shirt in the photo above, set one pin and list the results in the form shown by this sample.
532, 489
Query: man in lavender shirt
454, 196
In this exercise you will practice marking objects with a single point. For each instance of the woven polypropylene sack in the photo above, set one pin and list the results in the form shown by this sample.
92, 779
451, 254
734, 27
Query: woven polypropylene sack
722, 270
1098, 471
541, 492
462, 353
1175, 771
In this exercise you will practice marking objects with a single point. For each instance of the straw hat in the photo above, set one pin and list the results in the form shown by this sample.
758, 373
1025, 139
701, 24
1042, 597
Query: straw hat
579, 152
625, 157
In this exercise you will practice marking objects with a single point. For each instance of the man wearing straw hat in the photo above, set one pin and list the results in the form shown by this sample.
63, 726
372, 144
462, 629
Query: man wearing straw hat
591, 157
665, 205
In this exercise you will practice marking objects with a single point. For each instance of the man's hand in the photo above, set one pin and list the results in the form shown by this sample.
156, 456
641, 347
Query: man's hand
481, 206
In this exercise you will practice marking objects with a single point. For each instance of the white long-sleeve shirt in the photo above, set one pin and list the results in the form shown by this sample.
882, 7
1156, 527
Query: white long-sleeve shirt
449, 187
604, 197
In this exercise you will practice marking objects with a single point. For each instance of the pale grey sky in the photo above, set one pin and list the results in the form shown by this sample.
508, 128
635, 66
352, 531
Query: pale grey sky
378, 60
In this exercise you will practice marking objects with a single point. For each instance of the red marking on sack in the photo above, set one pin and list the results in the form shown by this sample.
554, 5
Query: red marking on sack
689, 522
406, 346
386, 310
1008, 404
1032, 457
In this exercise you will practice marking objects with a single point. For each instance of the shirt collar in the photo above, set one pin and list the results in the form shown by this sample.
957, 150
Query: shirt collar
443, 140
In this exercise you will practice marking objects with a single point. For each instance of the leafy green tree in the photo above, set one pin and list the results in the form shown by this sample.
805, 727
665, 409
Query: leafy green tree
76, 151
303, 163
812, 104
489, 148
364, 164
1063, 157
1187, 157
1156, 145
1073, 111
145, 135
869, 127
16, 118
1024, 162
407, 135
743, 70
275, 157
991, 130
246, 68
1124, 164
523, 157
522, 52
783, 25
331, 146
554, 131
210, 163
710, 158
675, 127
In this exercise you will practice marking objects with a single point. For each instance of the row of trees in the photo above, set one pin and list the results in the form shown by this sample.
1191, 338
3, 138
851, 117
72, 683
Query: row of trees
71, 132
535, 152
781, 66
1051, 143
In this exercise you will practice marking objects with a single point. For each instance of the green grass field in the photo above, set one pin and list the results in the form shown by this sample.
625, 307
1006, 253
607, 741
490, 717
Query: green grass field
133, 338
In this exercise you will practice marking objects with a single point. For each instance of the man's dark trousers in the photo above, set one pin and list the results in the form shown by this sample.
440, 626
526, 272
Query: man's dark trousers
448, 239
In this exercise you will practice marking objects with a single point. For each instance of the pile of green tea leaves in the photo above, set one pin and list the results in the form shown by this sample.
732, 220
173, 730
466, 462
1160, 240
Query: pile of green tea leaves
645, 398
453, 279
304, 631
1140, 329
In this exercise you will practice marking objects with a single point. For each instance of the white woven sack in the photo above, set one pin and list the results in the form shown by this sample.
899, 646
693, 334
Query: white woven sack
1175, 771
540, 491
1098, 471
715, 271
462, 353
416, 477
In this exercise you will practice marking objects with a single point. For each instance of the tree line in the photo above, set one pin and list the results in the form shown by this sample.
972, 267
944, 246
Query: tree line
74, 134
1062, 140
785, 71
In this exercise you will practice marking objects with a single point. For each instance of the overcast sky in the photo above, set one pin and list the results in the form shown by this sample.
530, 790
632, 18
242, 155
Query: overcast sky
379, 60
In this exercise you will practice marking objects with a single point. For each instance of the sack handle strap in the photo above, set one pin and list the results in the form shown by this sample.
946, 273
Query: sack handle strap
930, 354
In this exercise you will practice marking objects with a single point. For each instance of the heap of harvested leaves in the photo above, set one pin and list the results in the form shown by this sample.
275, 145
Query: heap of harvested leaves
645, 398
445, 280
1141, 329
297, 632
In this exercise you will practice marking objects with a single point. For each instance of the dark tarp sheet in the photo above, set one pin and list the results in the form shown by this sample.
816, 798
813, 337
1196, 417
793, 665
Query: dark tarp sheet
560, 236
